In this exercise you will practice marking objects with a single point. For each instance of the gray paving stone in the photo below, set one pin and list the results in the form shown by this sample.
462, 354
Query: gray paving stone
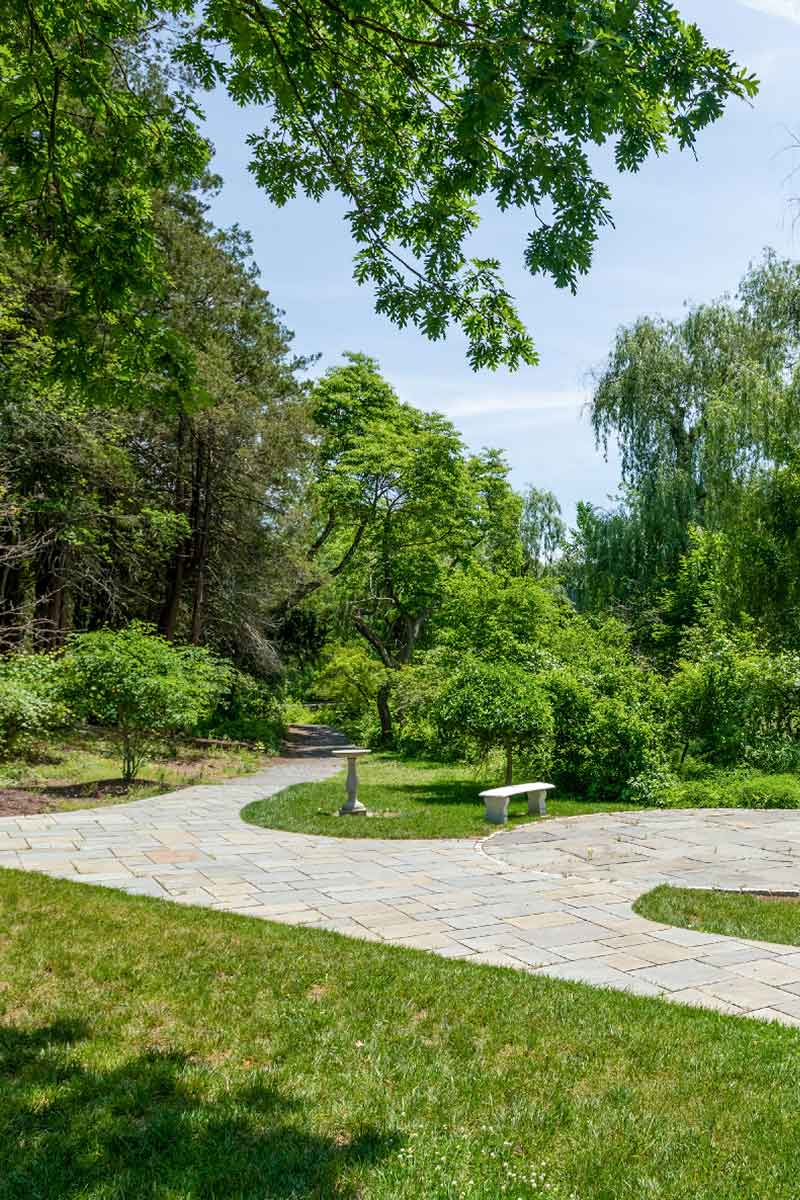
553, 897
677, 976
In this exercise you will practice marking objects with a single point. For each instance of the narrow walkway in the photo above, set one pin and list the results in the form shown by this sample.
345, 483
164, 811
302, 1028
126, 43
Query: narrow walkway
552, 898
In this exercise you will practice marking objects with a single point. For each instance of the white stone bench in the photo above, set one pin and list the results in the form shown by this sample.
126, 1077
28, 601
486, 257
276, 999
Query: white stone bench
496, 799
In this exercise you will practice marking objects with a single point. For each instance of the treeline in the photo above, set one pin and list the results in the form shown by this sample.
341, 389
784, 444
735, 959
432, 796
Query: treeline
171, 499
167, 465
656, 642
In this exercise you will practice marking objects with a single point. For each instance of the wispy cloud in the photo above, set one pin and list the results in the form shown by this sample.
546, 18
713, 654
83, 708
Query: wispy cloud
788, 9
491, 403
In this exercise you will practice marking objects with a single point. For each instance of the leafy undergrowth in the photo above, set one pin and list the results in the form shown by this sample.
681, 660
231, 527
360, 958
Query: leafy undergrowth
732, 913
83, 769
150, 1050
408, 799
740, 788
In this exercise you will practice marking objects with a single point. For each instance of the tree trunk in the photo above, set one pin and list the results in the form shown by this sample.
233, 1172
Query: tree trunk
197, 608
509, 764
384, 713
169, 611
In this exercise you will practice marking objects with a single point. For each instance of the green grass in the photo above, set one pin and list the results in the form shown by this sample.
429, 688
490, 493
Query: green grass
84, 757
154, 1052
730, 913
409, 799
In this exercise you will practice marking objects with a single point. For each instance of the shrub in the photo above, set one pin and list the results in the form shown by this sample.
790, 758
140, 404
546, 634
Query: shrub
416, 692
736, 701
655, 787
501, 706
604, 741
247, 710
738, 789
142, 684
30, 701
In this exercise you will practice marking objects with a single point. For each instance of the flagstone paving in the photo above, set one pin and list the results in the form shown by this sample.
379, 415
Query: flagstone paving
553, 898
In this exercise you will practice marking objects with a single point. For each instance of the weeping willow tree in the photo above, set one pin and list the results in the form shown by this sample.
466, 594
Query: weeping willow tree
700, 408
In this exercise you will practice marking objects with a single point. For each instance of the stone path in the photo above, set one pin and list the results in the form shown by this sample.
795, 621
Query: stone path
553, 898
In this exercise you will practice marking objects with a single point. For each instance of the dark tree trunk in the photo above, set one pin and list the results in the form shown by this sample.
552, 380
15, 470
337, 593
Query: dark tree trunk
509, 764
169, 612
168, 619
197, 606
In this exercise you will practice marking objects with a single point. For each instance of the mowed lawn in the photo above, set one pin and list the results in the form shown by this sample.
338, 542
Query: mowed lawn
153, 1051
406, 799
732, 913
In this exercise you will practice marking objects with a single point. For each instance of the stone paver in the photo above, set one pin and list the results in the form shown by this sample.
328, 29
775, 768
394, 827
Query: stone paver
552, 898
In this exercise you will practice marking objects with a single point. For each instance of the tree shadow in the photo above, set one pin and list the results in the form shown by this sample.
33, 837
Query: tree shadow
455, 792
146, 1129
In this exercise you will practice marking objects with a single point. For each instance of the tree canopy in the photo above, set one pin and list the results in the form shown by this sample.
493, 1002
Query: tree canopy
414, 113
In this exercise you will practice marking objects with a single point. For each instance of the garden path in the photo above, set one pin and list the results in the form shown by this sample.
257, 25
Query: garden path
554, 898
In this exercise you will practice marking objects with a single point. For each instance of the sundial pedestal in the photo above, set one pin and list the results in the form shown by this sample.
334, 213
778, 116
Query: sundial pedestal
352, 805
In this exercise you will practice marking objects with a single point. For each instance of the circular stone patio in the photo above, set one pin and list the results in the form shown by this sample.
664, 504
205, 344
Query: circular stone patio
554, 898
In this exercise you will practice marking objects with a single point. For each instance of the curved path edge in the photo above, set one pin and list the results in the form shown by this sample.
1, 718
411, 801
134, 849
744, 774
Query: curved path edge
553, 898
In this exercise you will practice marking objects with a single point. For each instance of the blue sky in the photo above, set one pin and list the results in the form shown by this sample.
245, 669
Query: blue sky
685, 230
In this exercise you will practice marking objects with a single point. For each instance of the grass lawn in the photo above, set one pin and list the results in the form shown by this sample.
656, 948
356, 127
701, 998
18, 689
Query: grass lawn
79, 769
153, 1051
410, 799
730, 913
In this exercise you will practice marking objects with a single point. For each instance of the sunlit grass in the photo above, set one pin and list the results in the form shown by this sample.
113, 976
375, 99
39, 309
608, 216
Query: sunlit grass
150, 1050
88, 757
731, 913
407, 799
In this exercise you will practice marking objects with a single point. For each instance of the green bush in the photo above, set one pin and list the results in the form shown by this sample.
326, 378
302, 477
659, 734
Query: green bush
602, 741
246, 710
415, 695
141, 684
654, 787
737, 789
501, 707
30, 701
737, 702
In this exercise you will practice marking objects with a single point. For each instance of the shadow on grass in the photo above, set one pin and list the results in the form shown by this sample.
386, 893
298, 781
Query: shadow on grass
456, 793
145, 1128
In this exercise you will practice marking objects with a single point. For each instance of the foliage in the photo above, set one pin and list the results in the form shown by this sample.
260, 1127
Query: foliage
734, 700
412, 113
444, 106
349, 680
30, 701
182, 513
542, 530
89, 136
502, 707
142, 685
704, 411
603, 742
399, 508
738, 788
247, 710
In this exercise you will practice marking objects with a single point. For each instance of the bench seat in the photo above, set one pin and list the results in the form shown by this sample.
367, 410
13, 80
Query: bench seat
496, 799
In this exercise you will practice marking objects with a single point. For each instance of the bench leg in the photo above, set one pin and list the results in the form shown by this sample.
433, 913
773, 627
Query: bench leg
496, 809
537, 802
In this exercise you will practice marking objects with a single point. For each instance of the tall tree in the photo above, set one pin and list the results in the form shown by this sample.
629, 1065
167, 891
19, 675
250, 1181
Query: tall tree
699, 408
400, 505
413, 112
542, 530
